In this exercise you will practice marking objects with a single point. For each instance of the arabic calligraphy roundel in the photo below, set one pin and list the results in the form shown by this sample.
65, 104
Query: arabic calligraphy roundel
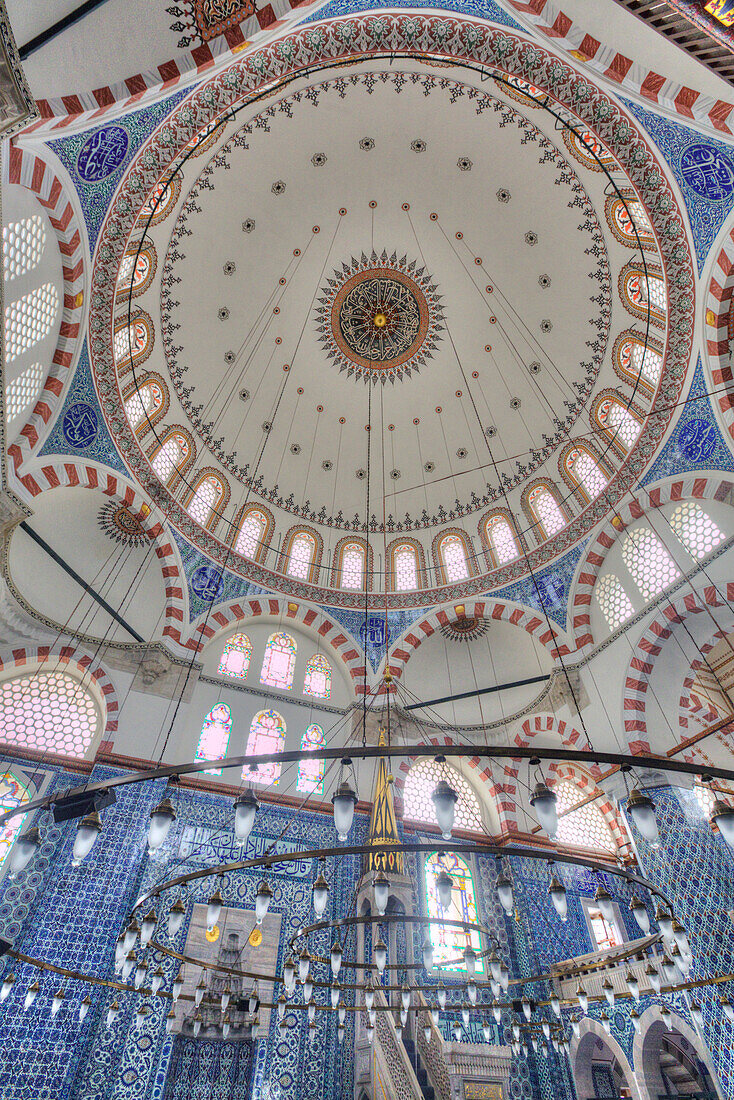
102, 153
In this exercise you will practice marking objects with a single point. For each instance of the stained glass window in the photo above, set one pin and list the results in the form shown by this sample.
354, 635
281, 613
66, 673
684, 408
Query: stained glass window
501, 539
449, 942
30, 319
143, 402
12, 794
614, 602
585, 827
420, 784
621, 424
136, 274
170, 456
545, 508
317, 681
651, 566
352, 570
251, 533
406, 568
723, 10
585, 470
695, 529
208, 494
214, 738
23, 245
311, 772
50, 712
453, 557
236, 655
279, 661
303, 549
267, 735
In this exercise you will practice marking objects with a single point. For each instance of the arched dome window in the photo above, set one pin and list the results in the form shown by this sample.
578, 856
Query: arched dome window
207, 497
618, 423
613, 600
133, 343
545, 510
649, 563
317, 680
350, 566
23, 390
586, 147
171, 457
301, 556
585, 827
13, 795
500, 539
252, 536
279, 662
29, 319
143, 404
160, 202
452, 557
635, 359
214, 739
625, 215
706, 797
136, 274
49, 712
695, 529
585, 471
449, 942
236, 655
405, 570
311, 772
267, 736
642, 291
24, 243
420, 783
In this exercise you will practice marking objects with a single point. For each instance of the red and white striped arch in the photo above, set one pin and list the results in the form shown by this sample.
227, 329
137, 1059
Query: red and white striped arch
25, 168
718, 328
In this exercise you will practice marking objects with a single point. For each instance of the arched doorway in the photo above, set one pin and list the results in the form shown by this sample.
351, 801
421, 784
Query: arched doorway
600, 1069
673, 1063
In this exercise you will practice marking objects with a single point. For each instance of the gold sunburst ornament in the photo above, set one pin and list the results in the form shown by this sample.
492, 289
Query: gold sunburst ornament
212, 934
255, 938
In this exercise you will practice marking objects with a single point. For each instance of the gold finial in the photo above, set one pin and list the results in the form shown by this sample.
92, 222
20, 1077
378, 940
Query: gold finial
379, 320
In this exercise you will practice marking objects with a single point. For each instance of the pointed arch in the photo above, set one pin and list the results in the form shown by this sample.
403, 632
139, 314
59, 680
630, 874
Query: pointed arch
453, 556
638, 361
252, 532
236, 655
406, 566
583, 471
498, 535
207, 498
172, 456
317, 678
214, 738
588, 149
311, 772
625, 214
137, 270
541, 505
160, 202
641, 292
619, 422
267, 735
146, 404
279, 661
351, 555
301, 555
132, 343
448, 942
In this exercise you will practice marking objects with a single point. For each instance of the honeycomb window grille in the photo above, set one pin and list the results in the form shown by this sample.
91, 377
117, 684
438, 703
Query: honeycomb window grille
420, 783
613, 600
695, 529
501, 539
546, 509
251, 533
585, 827
406, 569
619, 422
585, 470
23, 390
144, 402
453, 557
352, 570
300, 559
645, 362
29, 319
49, 712
706, 798
23, 246
649, 563
170, 457
205, 499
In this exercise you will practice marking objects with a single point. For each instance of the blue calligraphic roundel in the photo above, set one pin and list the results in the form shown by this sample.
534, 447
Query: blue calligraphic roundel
102, 153
80, 425
707, 171
207, 583
372, 633
697, 440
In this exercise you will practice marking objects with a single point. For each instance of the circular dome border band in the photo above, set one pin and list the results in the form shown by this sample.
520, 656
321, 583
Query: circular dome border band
453, 42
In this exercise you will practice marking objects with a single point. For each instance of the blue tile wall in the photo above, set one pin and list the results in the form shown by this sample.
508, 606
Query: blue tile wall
480, 9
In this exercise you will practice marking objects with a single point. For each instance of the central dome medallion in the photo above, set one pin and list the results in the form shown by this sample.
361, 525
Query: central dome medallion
379, 317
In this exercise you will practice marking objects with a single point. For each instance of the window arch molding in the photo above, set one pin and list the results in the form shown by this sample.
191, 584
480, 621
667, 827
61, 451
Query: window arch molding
337, 566
448, 536
487, 541
313, 567
578, 144
631, 345
137, 270
622, 212
178, 434
143, 339
144, 425
160, 202
55, 707
634, 292
220, 502
618, 440
535, 520
594, 817
567, 459
393, 549
267, 529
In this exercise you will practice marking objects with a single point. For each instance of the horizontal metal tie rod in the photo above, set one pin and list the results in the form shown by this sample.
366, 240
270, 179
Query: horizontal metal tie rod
478, 691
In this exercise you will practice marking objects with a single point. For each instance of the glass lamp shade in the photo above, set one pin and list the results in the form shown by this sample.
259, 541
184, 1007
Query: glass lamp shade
495, 987
534, 1043
527, 1008
544, 1050
161, 820
435, 1015
289, 973
696, 1013
470, 961
5, 988
472, 992
371, 1015
680, 937
576, 1029
403, 1016
342, 1014
653, 977
214, 910
370, 1033
341, 1032
176, 915
494, 966
197, 1024
307, 989
642, 811
405, 996
426, 1033
633, 984
131, 935
31, 994
320, 896
312, 1032
253, 1001
641, 915
635, 1018
84, 1007
87, 832
178, 985
444, 886
399, 1029
147, 928
487, 1033
444, 800
262, 901
343, 801
245, 809
227, 996
304, 964
583, 997
282, 1029
722, 816
199, 992
545, 1027
381, 886
515, 1031
128, 966
112, 1013
441, 995
311, 1010
543, 801
559, 898
555, 1002
141, 973
604, 1020
336, 958
379, 955
727, 1008
225, 1027
57, 1001
505, 894
24, 850
604, 900
497, 1012
668, 968
336, 990
140, 1016
369, 998
667, 1017
119, 953
504, 977
608, 991
281, 1006
457, 1032
428, 955
465, 1015
170, 1021
664, 921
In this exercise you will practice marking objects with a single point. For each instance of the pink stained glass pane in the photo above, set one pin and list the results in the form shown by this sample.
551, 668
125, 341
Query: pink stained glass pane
267, 735
301, 556
236, 655
453, 556
214, 739
406, 569
317, 681
279, 662
546, 509
502, 540
12, 795
49, 711
249, 539
311, 772
449, 942
352, 574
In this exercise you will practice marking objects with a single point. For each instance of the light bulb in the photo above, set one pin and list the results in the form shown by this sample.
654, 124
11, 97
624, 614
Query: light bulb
472, 991
161, 820
543, 801
633, 984
465, 1015
653, 977
343, 801
405, 996
245, 809
23, 851
444, 800
505, 894
31, 994
555, 1004
199, 991
214, 910
441, 994
428, 955
227, 997
112, 1013
289, 974
320, 896
559, 898
170, 1021
641, 915
379, 954
664, 921
336, 958
444, 884
57, 1001
176, 915
178, 984
84, 1007
722, 816
527, 1008
427, 1034
470, 961
5, 988
604, 900
336, 990
304, 964
262, 901
87, 832
583, 997
341, 1013
147, 928
141, 971
497, 1012
381, 886
608, 991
